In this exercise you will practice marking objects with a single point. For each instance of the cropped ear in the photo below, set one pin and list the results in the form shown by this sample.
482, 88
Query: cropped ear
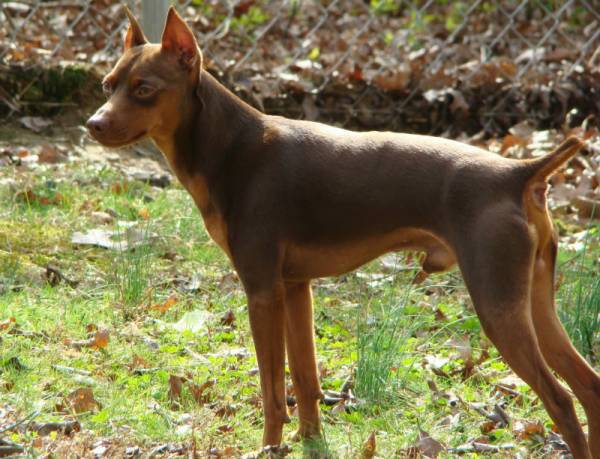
134, 36
179, 39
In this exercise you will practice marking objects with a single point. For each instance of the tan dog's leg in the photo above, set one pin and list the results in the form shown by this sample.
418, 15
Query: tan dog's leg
497, 264
266, 312
516, 341
300, 344
558, 349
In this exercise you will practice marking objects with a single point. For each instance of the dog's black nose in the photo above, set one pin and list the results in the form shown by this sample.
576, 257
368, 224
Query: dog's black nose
97, 124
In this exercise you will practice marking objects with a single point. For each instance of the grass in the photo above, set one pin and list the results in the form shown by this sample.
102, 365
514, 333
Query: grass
397, 341
384, 327
133, 268
580, 312
585, 325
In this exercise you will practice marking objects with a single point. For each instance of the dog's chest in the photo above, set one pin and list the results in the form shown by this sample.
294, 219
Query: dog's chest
213, 221
217, 229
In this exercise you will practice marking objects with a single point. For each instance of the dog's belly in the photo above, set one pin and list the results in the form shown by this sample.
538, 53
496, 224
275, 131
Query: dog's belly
309, 261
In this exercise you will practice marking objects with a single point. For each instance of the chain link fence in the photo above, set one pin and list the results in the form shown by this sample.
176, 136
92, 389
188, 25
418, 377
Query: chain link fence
429, 66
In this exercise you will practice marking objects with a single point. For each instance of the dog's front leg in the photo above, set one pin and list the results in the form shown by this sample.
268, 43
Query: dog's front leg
300, 344
257, 258
266, 311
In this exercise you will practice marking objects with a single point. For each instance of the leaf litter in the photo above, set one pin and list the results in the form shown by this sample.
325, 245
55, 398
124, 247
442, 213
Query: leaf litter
579, 178
99, 340
126, 237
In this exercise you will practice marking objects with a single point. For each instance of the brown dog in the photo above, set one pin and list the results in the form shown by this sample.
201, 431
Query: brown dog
289, 201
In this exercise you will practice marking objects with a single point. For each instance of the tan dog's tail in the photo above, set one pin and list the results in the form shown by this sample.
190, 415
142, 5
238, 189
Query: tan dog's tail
540, 169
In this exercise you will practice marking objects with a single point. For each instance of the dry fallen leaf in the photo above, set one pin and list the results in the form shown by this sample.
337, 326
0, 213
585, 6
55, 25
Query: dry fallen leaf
100, 340
225, 410
119, 187
175, 387
487, 427
82, 400
527, 430
102, 217
10, 449
225, 428
51, 154
368, 447
440, 316
138, 363
66, 427
340, 408
5, 324
462, 344
125, 238
197, 391
499, 416
228, 318
511, 141
164, 307
230, 451
587, 207
35, 123
429, 447
31, 197
193, 321
392, 80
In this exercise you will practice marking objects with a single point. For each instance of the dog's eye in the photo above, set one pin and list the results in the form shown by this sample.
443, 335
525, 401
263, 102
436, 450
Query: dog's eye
107, 89
144, 91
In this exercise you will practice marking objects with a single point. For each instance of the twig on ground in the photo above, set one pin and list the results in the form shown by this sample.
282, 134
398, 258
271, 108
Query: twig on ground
30, 417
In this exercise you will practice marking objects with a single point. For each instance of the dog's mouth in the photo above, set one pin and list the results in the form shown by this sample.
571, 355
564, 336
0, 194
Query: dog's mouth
120, 143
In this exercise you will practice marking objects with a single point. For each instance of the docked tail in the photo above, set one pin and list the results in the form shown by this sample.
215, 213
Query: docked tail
540, 169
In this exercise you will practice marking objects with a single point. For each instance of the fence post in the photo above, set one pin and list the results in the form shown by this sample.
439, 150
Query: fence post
154, 13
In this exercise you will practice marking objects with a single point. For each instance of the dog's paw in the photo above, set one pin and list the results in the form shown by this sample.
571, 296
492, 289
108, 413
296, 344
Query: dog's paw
302, 435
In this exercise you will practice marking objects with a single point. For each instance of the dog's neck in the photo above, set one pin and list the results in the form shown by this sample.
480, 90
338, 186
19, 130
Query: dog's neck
215, 127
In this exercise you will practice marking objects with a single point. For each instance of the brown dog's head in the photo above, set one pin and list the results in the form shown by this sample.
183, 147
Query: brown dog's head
149, 85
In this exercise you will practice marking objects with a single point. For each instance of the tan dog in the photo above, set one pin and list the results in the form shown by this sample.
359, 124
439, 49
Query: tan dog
289, 201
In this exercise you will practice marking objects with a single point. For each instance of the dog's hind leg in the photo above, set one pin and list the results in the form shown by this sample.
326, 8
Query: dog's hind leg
558, 349
496, 260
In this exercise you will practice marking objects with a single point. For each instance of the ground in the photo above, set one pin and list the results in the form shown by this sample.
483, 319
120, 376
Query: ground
146, 349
